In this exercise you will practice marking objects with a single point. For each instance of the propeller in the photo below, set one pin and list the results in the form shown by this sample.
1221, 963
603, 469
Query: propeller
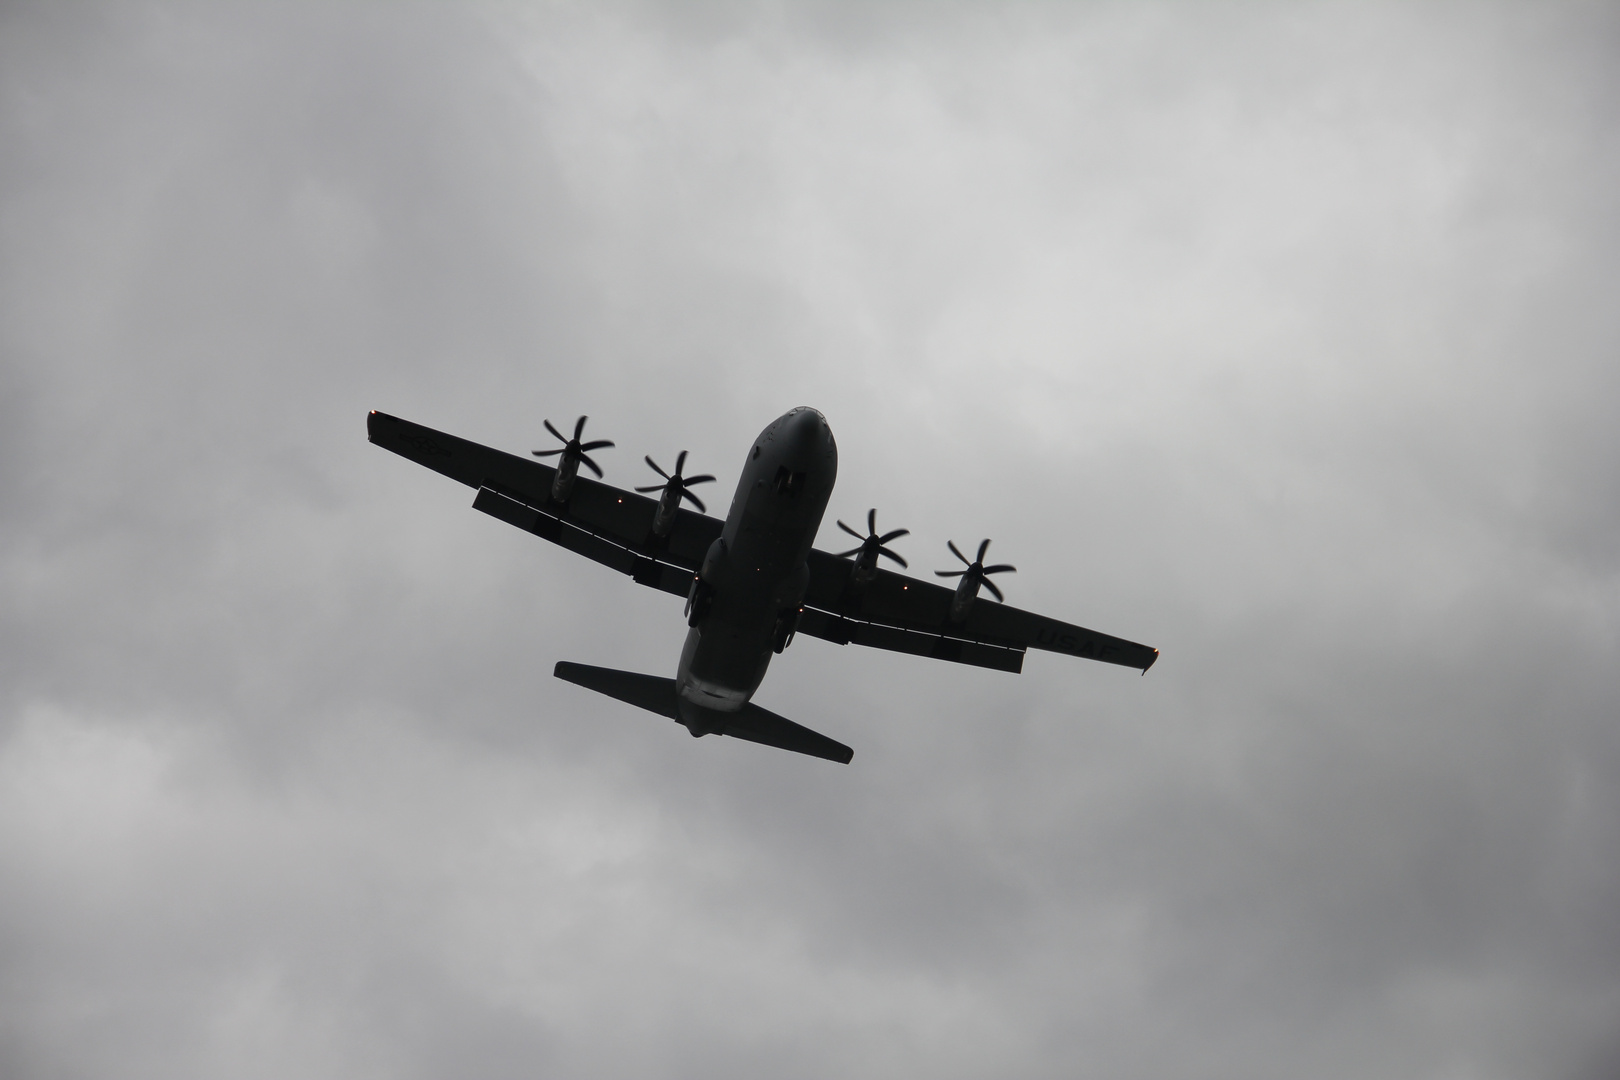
677, 482
976, 569
573, 448
872, 545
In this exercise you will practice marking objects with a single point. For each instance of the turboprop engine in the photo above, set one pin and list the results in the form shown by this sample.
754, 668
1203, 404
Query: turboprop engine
573, 452
674, 489
872, 545
974, 576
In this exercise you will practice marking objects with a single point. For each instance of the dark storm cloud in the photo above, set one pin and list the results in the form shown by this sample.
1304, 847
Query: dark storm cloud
1277, 338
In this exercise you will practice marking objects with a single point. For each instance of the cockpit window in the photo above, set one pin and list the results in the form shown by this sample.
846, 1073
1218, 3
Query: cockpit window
787, 482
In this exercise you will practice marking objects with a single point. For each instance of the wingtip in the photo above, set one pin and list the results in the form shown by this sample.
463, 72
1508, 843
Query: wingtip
1151, 662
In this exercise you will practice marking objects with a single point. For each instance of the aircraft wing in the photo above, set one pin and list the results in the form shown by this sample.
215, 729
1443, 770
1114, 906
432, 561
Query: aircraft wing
601, 522
614, 527
910, 615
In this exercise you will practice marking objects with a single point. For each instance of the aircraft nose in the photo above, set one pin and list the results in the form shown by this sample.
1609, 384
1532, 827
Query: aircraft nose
806, 429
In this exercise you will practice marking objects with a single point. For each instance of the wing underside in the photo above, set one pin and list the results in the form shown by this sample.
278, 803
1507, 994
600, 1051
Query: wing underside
599, 521
909, 615
614, 527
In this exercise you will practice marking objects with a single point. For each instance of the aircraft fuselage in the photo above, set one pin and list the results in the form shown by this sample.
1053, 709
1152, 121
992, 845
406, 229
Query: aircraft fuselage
746, 598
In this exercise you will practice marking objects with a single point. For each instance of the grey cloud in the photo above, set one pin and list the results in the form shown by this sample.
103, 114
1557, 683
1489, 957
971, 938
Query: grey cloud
1279, 339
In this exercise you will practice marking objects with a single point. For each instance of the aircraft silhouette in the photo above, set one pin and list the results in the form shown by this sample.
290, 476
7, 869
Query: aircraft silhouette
753, 581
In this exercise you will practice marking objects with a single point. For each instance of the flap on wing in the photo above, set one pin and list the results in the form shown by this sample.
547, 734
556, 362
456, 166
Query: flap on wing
906, 614
644, 568
599, 521
1039, 632
890, 598
842, 631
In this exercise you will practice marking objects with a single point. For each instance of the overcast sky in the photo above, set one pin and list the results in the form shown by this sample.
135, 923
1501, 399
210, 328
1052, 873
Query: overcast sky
1284, 338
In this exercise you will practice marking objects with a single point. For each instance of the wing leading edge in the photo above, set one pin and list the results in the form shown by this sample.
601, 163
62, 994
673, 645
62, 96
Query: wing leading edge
909, 615
604, 523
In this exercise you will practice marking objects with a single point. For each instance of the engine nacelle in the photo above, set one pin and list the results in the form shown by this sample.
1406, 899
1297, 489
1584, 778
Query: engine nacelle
562, 485
865, 570
664, 518
967, 590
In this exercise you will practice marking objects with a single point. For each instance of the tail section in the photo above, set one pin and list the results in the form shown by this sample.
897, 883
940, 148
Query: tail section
657, 695
643, 691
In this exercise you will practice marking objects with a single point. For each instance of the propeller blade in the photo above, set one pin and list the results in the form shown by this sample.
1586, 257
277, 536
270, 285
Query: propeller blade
949, 573
886, 537
984, 545
655, 468
680, 462
555, 432
579, 426
593, 466
994, 591
999, 568
654, 487
892, 555
702, 479
596, 444
871, 521
847, 554
851, 531
697, 502
546, 453
957, 553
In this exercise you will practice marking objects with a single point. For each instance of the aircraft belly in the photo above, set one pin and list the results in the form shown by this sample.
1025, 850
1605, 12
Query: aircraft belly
757, 571
721, 665
726, 656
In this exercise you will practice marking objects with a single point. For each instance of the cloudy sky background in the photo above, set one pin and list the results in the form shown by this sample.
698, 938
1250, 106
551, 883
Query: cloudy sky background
1280, 337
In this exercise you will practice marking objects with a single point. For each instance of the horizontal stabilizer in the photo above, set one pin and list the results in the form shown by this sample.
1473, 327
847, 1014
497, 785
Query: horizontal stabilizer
648, 692
656, 694
763, 726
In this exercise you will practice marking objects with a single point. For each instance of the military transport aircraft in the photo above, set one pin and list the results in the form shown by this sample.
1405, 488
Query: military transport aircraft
752, 581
